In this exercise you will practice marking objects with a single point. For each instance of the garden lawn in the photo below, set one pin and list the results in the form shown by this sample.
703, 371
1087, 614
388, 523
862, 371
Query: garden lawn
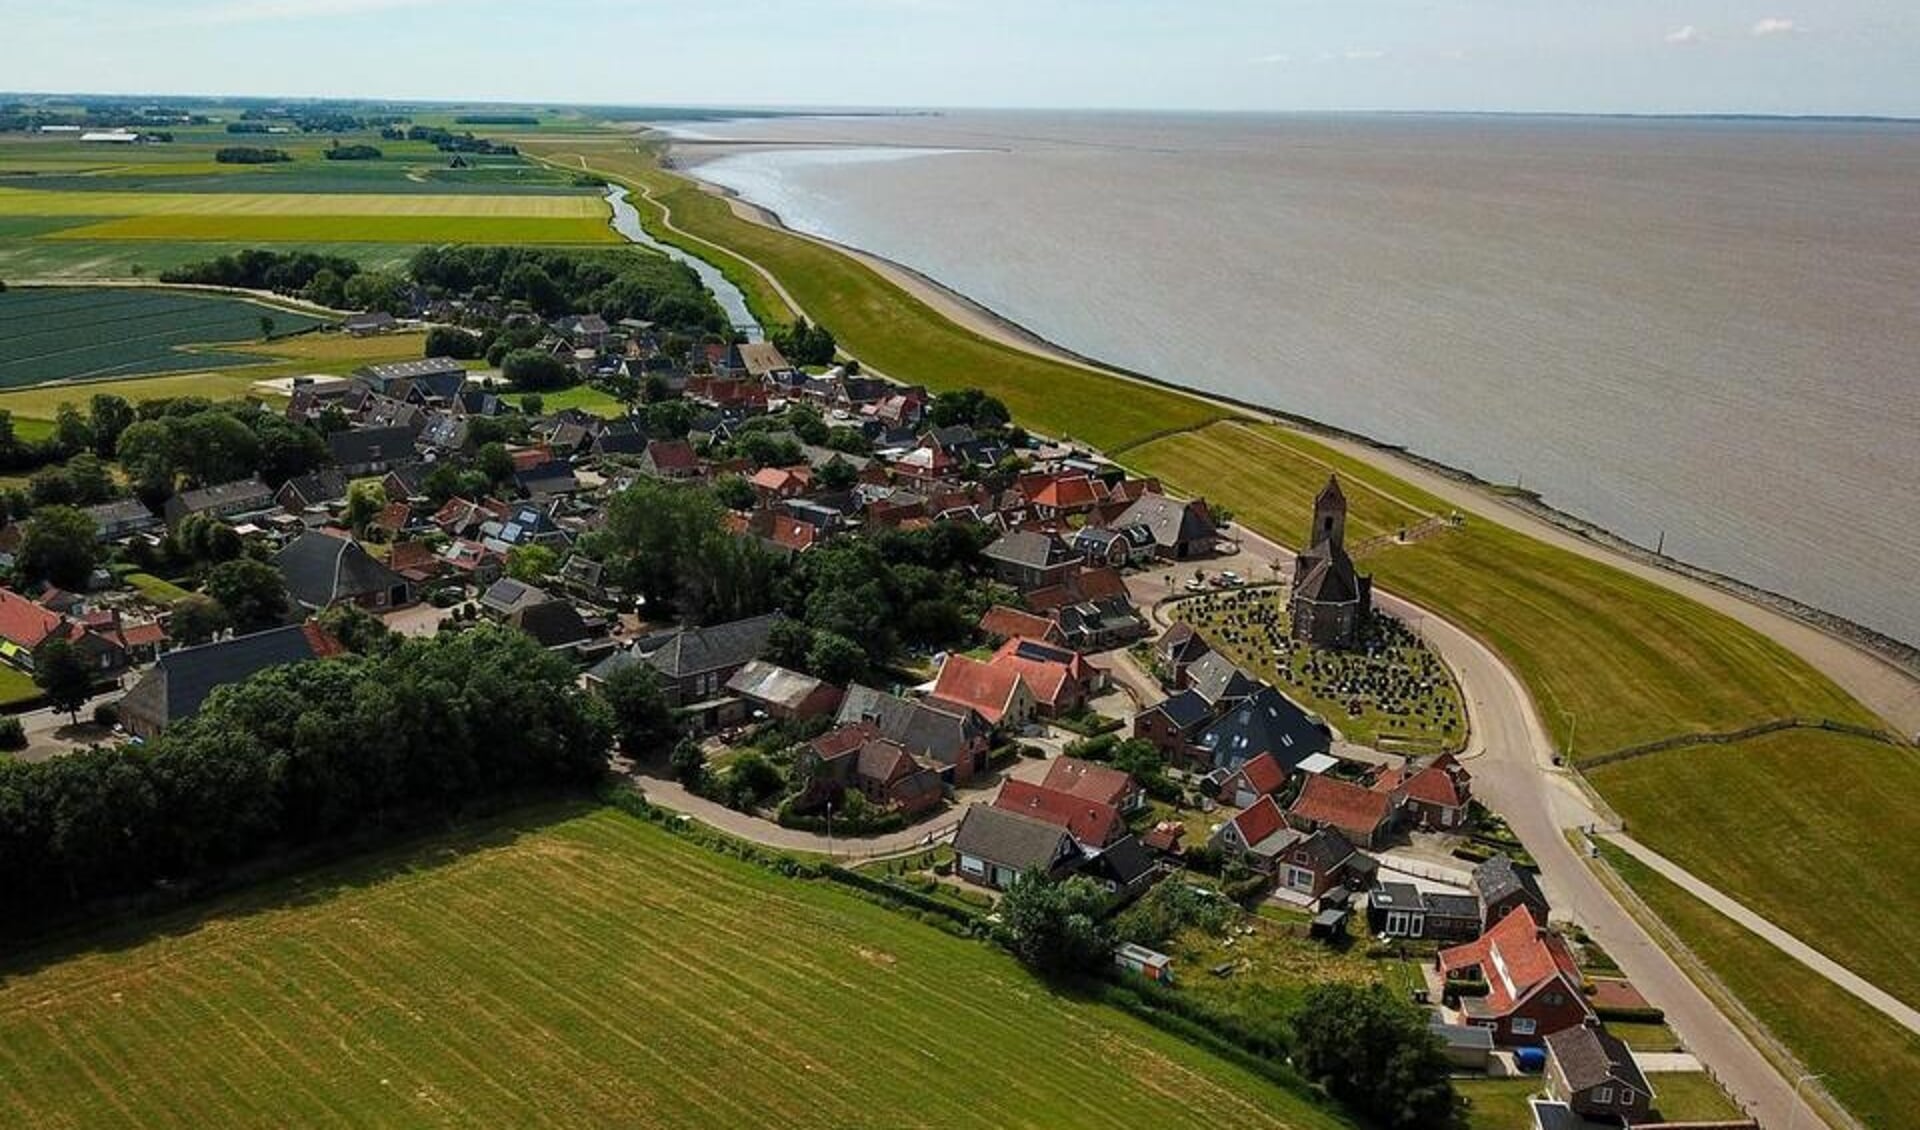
586, 398
1866, 1060
1811, 829
16, 686
1501, 1104
157, 590
579, 967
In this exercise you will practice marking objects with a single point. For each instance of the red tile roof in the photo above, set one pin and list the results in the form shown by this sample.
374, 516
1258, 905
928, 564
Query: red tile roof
1263, 774
1515, 957
987, 688
792, 533
24, 623
1089, 822
673, 455
1089, 781
1006, 623
1259, 820
1049, 680
1348, 807
1070, 492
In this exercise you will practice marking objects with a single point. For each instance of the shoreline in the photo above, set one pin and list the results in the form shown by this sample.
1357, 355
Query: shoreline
1881, 670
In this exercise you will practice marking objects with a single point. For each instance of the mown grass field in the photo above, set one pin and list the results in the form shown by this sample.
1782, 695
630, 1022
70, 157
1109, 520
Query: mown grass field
30, 202
80, 333
16, 686
414, 229
1789, 847
81, 259
1866, 1061
578, 967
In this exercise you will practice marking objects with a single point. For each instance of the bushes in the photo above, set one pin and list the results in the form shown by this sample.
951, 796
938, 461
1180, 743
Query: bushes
249, 155
13, 735
1248, 887
849, 821
1097, 748
1622, 1014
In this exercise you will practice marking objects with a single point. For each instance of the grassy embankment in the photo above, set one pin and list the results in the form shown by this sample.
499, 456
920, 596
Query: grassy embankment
1866, 1062
576, 967
1613, 660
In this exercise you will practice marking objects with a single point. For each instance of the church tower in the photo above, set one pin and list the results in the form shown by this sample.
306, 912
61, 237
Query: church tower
1330, 516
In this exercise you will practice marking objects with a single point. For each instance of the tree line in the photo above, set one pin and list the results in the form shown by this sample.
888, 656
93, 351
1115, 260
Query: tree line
556, 281
297, 755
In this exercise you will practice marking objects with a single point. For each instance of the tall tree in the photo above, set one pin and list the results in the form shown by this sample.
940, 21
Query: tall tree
110, 415
1376, 1055
252, 592
63, 675
60, 546
642, 718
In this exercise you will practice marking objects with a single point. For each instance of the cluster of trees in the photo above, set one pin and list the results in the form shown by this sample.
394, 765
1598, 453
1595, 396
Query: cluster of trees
339, 152
249, 155
807, 423
530, 370
556, 281
805, 344
316, 278
286, 758
923, 588
972, 408
193, 440
447, 141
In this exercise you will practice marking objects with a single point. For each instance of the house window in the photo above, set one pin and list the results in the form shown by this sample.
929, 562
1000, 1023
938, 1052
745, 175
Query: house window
972, 866
1556, 999
1603, 1095
1299, 880
1522, 1026
1627, 1096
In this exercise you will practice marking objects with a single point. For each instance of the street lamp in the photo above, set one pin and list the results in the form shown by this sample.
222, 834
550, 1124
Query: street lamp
829, 831
1793, 1119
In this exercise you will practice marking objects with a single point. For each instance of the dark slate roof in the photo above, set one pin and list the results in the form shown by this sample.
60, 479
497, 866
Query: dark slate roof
321, 569
1328, 849
1497, 878
1265, 723
1330, 579
921, 728
693, 651
1186, 709
1590, 1057
121, 512
371, 445
239, 492
1029, 548
1172, 522
1464, 907
324, 485
1125, 861
1394, 896
181, 680
554, 623
1008, 838
1219, 680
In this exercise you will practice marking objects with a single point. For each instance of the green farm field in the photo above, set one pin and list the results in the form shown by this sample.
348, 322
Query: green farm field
30, 202
57, 260
1790, 849
81, 333
35, 407
1865, 1060
572, 966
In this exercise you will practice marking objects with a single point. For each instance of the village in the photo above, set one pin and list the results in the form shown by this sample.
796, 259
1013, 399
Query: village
1099, 680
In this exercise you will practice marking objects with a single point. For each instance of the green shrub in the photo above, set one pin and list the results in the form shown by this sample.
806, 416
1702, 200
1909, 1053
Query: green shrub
13, 735
1645, 1014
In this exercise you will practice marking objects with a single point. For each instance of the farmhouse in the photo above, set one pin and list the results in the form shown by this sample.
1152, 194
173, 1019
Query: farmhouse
1328, 802
322, 570
175, 686
1181, 530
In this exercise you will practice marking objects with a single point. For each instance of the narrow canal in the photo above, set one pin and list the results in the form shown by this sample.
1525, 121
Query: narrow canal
626, 221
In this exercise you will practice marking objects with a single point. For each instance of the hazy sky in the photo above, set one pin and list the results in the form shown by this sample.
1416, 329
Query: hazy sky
1773, 56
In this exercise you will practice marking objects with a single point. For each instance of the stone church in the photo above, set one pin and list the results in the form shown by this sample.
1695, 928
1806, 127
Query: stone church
1331, 600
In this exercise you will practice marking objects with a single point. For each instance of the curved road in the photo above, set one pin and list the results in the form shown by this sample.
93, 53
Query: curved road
1512, 760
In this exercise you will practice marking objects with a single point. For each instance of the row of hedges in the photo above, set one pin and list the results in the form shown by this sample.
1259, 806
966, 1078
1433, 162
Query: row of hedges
870, 823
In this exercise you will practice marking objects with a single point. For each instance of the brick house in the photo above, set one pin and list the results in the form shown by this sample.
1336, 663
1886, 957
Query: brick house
1172, 724
1431, 795
1100, 783
1533, 985
1092, 825
1363, 815
1593, 1072
995, 691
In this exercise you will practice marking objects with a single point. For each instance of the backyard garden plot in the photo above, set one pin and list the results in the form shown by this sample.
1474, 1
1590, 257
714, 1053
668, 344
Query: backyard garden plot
58, 334
572, 967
